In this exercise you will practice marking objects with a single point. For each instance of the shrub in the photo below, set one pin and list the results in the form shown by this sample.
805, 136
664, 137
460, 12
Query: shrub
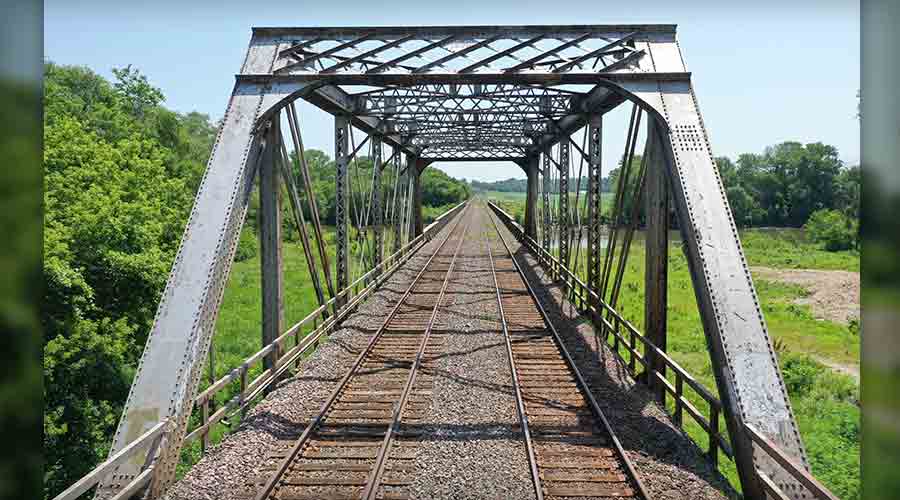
832, 229
800, 373
247, 246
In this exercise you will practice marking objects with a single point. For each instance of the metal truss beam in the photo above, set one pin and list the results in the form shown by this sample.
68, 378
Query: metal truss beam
504, 88
564, 225
594, 221
342, 200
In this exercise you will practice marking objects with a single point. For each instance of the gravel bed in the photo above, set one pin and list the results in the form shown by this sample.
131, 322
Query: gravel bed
471, 447
231, 468
669, 463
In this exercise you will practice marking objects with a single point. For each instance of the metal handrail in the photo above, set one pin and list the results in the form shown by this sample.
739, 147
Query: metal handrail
150, 438
589, 302
789, 465
249, 391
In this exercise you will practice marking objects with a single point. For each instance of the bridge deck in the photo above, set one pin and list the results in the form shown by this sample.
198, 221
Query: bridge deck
468, 442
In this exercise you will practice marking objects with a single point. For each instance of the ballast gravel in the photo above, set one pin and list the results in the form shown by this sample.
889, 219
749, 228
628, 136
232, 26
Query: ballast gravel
669, 463
233, 468
472, 447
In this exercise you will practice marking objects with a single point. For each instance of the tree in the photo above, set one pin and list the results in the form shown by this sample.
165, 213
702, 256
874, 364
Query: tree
136, 90
120, 174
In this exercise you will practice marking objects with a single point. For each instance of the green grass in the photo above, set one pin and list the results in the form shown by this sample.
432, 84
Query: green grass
826, 407
790, 249
238, 332
825, 403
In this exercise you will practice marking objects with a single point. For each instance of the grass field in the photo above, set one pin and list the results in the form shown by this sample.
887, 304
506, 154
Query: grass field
239, 328
825, 403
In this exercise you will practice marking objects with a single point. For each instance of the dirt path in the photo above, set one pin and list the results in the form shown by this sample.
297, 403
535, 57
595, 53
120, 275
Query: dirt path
833, 295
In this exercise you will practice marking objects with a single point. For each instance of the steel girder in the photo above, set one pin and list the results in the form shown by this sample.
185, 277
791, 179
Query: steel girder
342, 201
545, 198
744, 362
377, 213
643, 63
564, 220
594, 222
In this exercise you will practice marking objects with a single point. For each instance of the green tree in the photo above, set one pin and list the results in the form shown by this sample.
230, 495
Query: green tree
120, 173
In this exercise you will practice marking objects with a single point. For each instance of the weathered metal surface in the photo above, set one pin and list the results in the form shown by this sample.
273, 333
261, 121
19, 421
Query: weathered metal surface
531, 196
342, 201
169, 371
564, 222
744, 362
594, 187
466, 92
377, 211
545, 199
270, 242
656, 254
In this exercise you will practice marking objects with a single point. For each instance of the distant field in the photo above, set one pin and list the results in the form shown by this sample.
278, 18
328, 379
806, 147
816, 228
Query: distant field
825, 402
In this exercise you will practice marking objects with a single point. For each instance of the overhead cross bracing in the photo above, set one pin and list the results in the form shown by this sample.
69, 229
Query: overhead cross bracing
425, 94
462, 93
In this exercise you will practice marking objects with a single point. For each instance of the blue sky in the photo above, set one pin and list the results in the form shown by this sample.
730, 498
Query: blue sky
764, 72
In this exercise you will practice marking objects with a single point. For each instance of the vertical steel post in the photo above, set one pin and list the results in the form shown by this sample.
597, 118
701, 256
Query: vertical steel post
564, 203
531, 171
594, 222
270, 242
545, 200
397, 213
657, 247
378, 215
417, 226
342, 198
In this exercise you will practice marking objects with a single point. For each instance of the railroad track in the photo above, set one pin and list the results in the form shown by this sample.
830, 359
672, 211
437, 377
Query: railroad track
358, 446
572, 449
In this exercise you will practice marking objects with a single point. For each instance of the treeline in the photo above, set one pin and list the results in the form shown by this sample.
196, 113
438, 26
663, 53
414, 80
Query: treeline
120, 175
521, 185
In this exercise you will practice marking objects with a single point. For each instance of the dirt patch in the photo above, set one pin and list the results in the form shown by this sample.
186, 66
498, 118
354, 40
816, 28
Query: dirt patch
833, 295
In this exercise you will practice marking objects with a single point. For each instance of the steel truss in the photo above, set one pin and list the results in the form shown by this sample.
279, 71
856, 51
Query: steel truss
514, 93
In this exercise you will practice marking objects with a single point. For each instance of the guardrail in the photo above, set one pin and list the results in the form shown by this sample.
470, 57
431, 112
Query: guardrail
625, 335
355, 293
789, 465
586, 301
151, 438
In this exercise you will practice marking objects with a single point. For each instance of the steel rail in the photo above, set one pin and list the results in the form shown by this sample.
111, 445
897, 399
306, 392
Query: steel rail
371, 489
582, 383
520, 403
302, 440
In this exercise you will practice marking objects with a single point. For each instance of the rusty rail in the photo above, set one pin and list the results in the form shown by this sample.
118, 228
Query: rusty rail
639, 489
588, 302
249, 391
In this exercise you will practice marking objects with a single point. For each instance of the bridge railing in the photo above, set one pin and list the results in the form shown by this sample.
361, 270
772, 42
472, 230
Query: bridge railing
625, 336
789, 465
285, 356
292, 345
148, 440
586, 300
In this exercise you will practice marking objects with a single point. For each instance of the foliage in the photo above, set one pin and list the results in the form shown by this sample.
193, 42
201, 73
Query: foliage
247, 246
789, 181
20, 288
791, 248
832, 229
119, 176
